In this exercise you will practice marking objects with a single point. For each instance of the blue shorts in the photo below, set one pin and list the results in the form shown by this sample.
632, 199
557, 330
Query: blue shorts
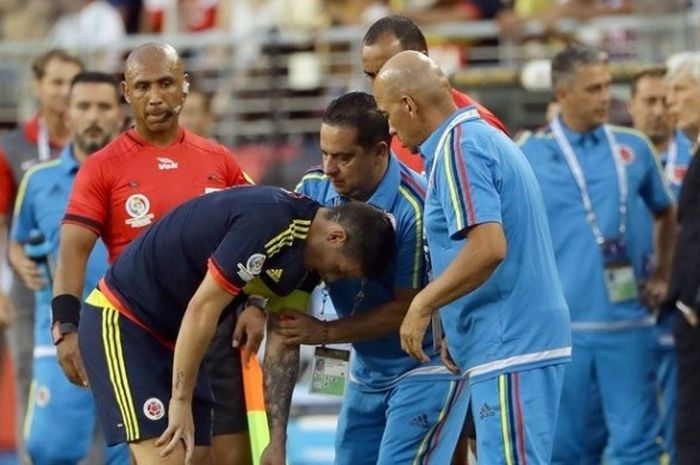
515, 416
60, 419
130, 375
393, 426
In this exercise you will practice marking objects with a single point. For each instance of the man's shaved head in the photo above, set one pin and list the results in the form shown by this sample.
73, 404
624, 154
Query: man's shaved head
415, 94
152, 52
415, 74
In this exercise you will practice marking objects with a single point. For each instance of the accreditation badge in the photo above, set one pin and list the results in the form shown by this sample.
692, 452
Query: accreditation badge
330, 371
620, 280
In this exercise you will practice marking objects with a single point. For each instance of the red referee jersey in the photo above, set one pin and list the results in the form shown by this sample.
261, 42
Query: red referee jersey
130, 184
415, 161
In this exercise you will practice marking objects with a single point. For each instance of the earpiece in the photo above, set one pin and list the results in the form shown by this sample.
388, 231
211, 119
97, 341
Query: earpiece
185, 87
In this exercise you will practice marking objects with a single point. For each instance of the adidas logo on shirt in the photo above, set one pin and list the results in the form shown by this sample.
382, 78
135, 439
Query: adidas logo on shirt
166, 164
421, 421
275, 274
486, 411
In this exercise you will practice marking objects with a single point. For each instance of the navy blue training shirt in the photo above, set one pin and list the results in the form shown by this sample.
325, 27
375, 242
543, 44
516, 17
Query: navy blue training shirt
238, 234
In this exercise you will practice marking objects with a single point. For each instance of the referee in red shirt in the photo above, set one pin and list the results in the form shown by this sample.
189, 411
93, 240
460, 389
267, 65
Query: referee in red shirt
127, 186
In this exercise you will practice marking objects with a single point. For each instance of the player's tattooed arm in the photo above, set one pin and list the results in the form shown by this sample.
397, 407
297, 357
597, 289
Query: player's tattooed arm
178, 379
280, 370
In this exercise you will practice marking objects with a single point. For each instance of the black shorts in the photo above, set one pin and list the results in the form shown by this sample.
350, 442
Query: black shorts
130, 376
223, 365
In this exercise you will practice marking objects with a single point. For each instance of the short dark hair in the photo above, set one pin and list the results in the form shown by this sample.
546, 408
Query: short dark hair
566, 62
359, 110
652, 71
39, 64
403, 28
97, 78
370, 236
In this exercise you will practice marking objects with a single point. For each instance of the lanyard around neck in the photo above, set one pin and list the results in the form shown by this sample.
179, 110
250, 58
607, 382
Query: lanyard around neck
462, 118
43, 144
577, 172
671, 159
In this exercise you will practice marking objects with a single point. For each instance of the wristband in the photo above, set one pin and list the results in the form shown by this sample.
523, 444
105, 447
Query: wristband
257, 301
65, 308
59, 331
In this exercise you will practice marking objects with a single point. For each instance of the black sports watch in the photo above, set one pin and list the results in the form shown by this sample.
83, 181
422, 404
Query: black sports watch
59, 331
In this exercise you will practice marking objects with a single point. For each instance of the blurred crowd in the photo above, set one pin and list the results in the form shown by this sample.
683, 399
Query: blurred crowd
104, 21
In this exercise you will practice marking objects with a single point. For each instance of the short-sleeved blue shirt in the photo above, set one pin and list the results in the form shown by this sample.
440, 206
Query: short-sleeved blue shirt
518, 317
238, 234
41, 203
379, 363
579, 257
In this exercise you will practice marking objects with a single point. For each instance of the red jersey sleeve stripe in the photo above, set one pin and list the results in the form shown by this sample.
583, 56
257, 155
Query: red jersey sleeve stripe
92, 225
220, 278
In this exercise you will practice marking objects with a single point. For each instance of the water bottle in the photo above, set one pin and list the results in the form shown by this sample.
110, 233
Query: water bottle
38, 249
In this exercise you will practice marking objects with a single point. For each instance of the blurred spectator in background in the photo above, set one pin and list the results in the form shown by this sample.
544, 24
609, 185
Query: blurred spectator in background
95, 23
196, 115
349, 12
39, 139
438, 11
131, 13
600, 183
26, 19
525, 20
684, 291
452, 53
192, 15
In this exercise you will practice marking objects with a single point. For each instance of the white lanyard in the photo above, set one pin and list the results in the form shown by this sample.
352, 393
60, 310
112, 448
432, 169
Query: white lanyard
43, 145
577, 171
462, 118
671, 159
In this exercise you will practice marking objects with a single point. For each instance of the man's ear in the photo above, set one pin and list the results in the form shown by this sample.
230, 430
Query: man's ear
336, 235
409, 104
560, 92
381, 149
125, 92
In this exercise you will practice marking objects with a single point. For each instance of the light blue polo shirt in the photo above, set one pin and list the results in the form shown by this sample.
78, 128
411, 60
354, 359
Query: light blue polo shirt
41, 202
517, 319
579, 258
675, 171
380, 363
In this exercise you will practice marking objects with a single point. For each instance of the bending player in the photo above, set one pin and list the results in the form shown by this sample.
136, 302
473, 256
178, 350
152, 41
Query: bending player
169, 288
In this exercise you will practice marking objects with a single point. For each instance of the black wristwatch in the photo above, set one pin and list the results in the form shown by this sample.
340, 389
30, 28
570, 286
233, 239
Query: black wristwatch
59, 331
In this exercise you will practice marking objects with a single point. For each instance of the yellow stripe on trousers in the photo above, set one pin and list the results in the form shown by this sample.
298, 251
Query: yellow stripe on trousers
503, 400
423, 448
111, 338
